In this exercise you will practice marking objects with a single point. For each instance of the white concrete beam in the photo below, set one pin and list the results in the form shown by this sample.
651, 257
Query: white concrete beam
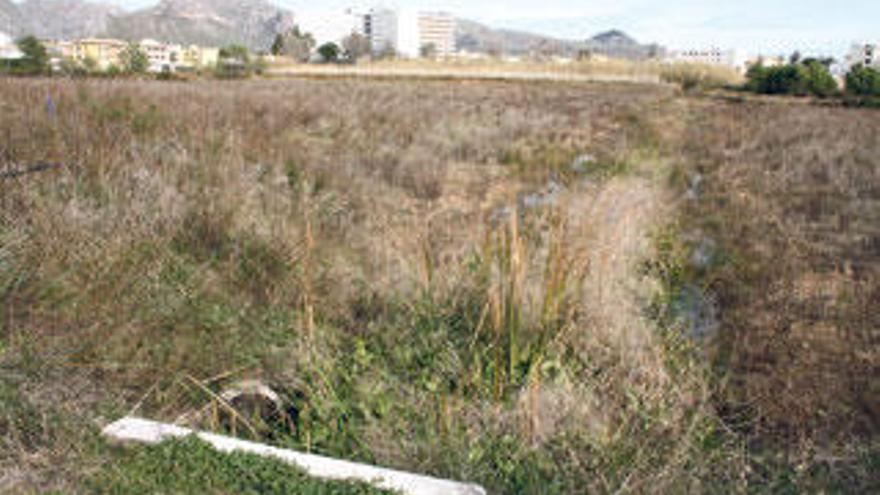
150, 432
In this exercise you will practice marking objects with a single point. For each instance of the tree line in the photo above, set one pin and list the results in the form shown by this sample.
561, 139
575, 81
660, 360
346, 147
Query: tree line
812, 77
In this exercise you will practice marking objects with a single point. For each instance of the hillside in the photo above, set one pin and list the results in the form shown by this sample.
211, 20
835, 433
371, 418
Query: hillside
10, 18
479, 38
208, 22
253, 23
65, 19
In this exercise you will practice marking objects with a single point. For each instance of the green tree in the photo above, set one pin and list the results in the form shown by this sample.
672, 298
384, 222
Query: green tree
428, 50
134, 60
277, 47
329, 52
295, 44
808, 78
235, 52
35, 58
356, 46
863, 81
819, 81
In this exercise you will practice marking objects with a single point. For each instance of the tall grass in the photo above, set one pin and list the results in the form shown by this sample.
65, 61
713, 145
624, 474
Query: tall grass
432, 276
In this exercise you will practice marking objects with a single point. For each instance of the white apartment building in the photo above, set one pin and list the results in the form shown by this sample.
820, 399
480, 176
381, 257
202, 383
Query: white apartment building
710, 56
394, 31
867, 54
163, 57
437, 29
8, 49
330, 26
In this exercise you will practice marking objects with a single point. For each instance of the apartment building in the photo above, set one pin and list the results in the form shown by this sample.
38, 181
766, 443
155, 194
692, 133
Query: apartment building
330, 26
393, 31
437, 30
194, 57
867, 54
103, 52
163, 57
710, 56
8, 49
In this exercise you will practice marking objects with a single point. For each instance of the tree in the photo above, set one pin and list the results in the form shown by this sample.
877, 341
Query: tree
863, 81
329, 52
819, 81
134, 60
356, 46
277, 45
810, 78
428, 50
294, 44
235, 52
35, 58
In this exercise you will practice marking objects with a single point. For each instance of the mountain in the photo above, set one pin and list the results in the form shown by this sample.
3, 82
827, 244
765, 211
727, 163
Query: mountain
617, 44
479, 38
614, 37
65, 19
10, 19
253, 23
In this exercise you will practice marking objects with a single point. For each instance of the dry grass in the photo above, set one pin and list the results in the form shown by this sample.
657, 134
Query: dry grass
425, 271
689, 76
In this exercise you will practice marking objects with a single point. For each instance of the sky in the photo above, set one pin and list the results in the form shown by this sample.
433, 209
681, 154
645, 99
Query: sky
769, 27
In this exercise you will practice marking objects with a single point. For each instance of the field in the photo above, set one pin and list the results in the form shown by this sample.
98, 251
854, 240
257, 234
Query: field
538, 287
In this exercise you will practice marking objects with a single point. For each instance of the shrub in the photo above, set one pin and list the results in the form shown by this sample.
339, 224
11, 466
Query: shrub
818, 79
801, 79
134, 60
863, 81
329, 52
34, 60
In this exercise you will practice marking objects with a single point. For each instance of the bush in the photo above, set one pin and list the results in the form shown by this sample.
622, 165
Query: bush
34, 60
808, 78
863, 81
818, 79
329, 52
134, 60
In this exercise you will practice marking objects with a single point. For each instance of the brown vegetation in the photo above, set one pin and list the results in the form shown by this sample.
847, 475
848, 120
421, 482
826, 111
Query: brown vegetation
455, 278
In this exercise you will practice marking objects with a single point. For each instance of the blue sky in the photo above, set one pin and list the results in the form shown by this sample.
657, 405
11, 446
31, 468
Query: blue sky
756, 26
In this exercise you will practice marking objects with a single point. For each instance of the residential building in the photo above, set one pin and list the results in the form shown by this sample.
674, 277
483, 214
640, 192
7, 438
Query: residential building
710, 56
163, 57
8, 49
103, 52
330, 26
437, 30
393, 31
867, 54
195, 57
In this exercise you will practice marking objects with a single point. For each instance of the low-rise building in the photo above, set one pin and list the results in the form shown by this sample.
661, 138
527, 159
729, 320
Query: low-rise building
867, 54
330, 26
437, 31
393, 32
710, 56
163, 57
100, 51
8, 49
196, 57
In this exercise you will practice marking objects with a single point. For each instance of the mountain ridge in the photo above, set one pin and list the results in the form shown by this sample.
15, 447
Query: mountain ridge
254, 23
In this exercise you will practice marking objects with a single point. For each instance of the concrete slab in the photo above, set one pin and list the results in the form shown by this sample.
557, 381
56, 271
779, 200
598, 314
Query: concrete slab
151, 432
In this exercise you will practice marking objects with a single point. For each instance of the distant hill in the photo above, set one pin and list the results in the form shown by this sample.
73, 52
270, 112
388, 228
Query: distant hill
479, 38
253, 23
617, 44
10, 18
65, 19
